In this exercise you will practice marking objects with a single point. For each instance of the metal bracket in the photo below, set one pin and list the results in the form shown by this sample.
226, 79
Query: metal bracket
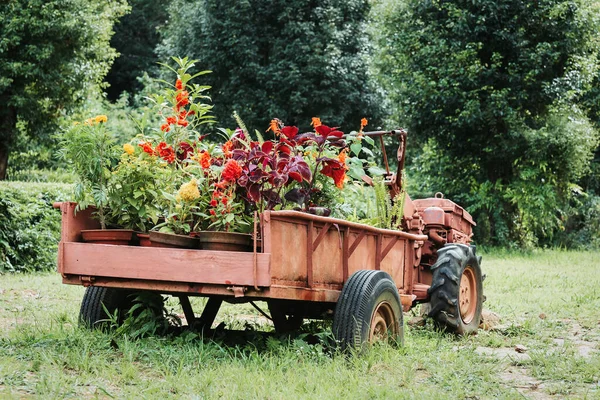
87, 280
238, 291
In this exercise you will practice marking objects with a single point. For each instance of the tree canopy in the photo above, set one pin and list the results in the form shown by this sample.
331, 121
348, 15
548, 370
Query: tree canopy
490, 88
287, 59
49, 51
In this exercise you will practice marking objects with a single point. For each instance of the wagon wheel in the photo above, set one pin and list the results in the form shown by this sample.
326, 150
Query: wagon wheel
368, 310
92, 313
456, 291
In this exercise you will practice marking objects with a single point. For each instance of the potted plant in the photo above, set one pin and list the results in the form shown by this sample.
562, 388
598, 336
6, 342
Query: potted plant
90, 149
135, 185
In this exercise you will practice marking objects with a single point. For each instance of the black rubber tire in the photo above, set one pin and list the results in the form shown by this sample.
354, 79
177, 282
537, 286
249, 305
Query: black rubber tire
453, 260
361, 297
92, 314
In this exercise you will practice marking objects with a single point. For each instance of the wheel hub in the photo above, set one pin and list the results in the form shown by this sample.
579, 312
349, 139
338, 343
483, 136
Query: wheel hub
382, 323
467, 297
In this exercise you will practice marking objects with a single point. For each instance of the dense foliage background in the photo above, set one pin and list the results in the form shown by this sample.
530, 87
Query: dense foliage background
501, 97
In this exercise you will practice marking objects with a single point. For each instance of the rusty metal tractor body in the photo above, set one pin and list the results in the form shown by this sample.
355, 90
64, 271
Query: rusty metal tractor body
322, 275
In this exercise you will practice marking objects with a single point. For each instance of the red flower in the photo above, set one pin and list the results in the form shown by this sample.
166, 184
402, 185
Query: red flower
212, 212
213, 203
147, 147
171, 120
165, 128
224, 200
182, 99
232, 171
179, 84
182, 122
166, 152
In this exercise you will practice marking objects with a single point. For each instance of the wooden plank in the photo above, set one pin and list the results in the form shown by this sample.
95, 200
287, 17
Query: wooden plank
356, 242
321, 235
389, 247
309, 254
378, 240
165, 264
345, 255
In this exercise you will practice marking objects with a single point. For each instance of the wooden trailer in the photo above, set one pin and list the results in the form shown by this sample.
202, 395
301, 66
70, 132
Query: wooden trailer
307, 266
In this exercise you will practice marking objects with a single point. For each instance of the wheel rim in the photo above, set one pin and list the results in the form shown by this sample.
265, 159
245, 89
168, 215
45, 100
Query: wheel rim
382, 323
467, 297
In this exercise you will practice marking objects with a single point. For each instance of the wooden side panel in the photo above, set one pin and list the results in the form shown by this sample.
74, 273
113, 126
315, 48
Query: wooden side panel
364, 255
165, 264
288, 251
393, 262
327, 258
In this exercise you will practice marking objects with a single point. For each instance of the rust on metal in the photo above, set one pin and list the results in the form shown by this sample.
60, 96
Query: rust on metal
321, 235
309, 254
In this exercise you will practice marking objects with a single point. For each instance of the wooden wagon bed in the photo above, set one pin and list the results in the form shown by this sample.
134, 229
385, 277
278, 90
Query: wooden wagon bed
303, 257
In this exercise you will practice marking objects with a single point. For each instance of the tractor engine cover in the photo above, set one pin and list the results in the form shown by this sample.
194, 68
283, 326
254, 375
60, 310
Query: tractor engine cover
440, 213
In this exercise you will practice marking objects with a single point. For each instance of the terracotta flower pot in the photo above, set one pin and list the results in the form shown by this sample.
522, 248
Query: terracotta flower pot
162, 239
224, 241
144, 239
107, 236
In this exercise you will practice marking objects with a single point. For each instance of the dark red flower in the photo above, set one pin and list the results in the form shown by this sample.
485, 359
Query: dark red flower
335, 170
326, 131
184, 152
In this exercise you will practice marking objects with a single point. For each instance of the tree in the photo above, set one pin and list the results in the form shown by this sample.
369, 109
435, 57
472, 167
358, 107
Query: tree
490, 88
287, 59
135, 39
50, 50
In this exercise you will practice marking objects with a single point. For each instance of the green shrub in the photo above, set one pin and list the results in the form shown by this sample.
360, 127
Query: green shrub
29, 226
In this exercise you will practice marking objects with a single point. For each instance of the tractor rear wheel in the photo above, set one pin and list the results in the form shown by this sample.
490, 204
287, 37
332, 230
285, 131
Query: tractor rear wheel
456, 292
368, 310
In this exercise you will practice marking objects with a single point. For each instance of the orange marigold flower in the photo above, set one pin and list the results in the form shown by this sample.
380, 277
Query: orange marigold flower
178, 84
363, 122
182, 122
205, 159
147, 147
165, 128
275, 126
171, 120
342, 159
227, 148
232, 171
316, 121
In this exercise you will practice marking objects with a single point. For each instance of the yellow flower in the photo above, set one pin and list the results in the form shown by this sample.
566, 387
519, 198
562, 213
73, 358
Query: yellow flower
189, 191
101, 118
129, 149
75, 123
90, 121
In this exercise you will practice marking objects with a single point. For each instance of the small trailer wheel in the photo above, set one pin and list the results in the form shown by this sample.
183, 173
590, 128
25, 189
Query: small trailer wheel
368, 310
92, 314
456, 290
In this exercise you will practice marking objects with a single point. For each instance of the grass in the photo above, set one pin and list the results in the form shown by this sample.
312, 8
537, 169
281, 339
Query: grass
547, 301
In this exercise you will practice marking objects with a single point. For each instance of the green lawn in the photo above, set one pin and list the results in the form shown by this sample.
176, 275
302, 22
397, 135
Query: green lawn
548, 302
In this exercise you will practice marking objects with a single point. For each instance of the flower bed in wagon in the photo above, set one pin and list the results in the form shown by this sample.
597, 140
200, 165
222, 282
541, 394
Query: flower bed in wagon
184, 183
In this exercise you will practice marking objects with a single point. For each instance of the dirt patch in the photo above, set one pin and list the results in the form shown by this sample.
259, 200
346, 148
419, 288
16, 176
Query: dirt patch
583, 339
527, 386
